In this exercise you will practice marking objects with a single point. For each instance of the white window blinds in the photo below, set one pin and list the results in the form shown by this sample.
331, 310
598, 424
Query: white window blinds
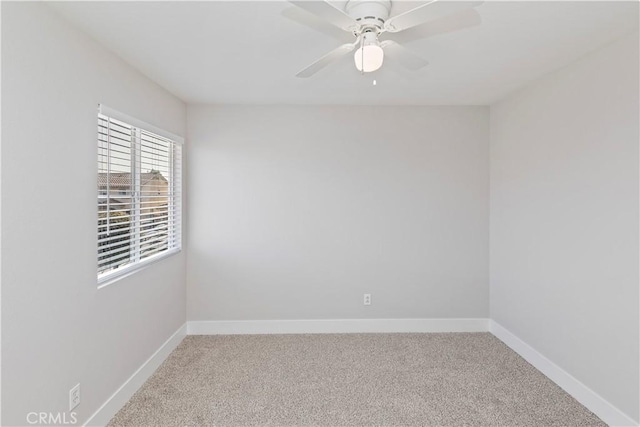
139, 196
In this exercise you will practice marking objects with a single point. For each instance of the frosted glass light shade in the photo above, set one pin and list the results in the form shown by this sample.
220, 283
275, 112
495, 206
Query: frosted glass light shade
371, 59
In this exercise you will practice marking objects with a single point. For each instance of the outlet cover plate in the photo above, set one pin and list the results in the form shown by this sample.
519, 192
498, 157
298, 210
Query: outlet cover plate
74, 397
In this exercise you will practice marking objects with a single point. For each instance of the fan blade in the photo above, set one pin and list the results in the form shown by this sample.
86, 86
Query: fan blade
402, 55
426, 13
459, 21
300, 16
328, 12
326, 60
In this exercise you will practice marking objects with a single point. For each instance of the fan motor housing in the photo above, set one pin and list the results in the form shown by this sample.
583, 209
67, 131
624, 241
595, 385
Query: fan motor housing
369, 13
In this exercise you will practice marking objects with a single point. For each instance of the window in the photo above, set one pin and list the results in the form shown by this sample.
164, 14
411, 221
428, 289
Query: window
139, 194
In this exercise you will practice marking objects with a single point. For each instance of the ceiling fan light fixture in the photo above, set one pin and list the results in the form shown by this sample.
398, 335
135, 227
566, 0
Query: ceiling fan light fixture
370, 56
367, 19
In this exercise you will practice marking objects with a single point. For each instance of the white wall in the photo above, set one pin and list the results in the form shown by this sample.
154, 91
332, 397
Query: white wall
295, 212
564, 219
58, 329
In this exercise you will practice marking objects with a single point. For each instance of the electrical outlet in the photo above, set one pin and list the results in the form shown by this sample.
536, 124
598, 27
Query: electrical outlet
74, 397
367, 299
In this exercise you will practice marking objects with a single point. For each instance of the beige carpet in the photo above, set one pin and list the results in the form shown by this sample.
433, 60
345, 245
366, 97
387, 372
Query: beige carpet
350, 379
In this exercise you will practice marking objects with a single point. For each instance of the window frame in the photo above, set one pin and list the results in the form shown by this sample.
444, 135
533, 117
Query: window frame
178, 141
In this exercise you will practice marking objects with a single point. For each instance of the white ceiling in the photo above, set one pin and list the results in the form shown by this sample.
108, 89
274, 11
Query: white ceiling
248, 52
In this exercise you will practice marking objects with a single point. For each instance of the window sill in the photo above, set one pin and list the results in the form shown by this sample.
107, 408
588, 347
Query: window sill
130, 269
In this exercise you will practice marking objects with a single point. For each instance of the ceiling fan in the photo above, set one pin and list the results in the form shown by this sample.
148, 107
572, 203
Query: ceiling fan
366, 20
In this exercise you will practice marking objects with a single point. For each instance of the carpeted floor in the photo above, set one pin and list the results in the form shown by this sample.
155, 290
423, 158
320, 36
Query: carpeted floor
449, 379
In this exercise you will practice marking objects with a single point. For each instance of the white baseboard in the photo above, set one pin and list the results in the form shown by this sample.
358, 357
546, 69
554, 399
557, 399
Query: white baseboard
583, 394
334, 326
111, 407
